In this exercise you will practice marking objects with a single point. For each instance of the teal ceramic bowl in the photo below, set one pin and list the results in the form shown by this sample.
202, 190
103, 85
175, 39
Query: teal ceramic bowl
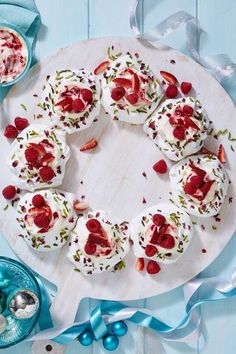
29, 50
22, 277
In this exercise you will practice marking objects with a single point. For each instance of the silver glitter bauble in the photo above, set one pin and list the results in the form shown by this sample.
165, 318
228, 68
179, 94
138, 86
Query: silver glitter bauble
3, 324
22, 303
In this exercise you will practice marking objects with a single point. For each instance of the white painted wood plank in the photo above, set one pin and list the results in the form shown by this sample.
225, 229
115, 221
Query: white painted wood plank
110, 18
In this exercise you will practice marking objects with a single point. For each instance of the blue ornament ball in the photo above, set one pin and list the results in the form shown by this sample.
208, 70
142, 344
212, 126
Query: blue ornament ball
110, 342
5, 279
86, 337
119, 328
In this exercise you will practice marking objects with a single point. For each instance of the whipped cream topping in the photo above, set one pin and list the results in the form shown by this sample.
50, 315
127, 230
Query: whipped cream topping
179, 127
130, 90
111, 244
51, 150
13, 55
165, 243
58, 208
72, 99
199, 185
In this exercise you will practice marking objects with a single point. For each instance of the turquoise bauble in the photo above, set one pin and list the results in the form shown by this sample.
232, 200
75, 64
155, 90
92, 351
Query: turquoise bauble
86, 337
2, 302
119, 328
110, 342
5, 279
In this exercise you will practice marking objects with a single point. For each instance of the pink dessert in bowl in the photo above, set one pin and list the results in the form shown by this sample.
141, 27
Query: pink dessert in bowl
15, 55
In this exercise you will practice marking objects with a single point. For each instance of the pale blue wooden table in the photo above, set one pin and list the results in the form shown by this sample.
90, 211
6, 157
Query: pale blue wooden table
67, 21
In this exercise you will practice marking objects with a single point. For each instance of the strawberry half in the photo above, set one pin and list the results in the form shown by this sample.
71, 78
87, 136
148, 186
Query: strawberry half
65, 102
39, 147
221, 154
101, 67
135, 83
167, 241
120, 81
197, 170
169, 77
190, 123
46, 159
91, 144
140, 264
99, 238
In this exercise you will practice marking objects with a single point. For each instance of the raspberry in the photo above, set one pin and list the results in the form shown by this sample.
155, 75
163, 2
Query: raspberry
187, 110
150, 250
38, 200
171, 91
160, 167
132, 98
86, 94
42, 221
185, 87
10, 132
117, 93
78, 105
189, 188
153, 267
90, 248
179, 133
46, 173
93, 225
21, 123
158, 219
32, 156
9, 192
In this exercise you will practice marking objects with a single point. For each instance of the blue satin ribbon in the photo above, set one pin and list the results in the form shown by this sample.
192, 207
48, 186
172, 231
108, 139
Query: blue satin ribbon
197, 292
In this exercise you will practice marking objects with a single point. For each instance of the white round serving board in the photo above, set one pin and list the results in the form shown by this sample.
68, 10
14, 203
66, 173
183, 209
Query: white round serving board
112, 176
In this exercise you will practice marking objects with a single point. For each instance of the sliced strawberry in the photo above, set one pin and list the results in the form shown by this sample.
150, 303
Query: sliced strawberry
186, 87
153, 267
93, 225
90, 248
65, 102
197, 170
99, 238
155, 236
150, 250
39, 147
46, 173
206, 187
120, 81
132, 98
101, 67
140, 264
80, 206
205, 151
42, 221
46, 143
91, 144
221, 154
172, 120
10, 132
21, 123
190, 123
169, 77
135, 83
46, 159
158, 219
167, 241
